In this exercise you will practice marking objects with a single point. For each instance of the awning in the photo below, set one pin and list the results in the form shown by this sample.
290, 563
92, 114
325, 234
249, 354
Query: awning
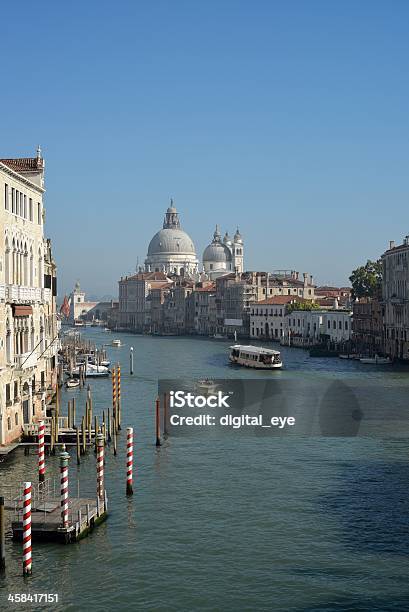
22, 311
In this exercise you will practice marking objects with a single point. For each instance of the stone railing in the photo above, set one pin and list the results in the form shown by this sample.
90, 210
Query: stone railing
25, 360
19, 293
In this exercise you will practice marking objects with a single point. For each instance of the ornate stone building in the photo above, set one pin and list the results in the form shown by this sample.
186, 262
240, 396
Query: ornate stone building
223, 256
395, 293
28, 321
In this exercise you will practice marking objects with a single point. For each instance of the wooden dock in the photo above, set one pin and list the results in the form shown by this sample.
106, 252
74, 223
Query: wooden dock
46, 522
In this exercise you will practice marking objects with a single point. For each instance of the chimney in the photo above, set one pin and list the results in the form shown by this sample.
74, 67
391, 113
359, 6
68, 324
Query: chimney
391, 244
305, 275
336, 305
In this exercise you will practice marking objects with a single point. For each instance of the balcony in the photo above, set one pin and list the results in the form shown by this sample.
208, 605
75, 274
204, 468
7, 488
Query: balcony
25, 361
20, 294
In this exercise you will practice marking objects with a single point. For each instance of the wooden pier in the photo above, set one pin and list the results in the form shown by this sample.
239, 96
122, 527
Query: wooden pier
84, 514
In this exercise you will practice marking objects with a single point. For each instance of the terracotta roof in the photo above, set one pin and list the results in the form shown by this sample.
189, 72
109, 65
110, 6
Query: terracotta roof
211, 288
24, 164
145, 276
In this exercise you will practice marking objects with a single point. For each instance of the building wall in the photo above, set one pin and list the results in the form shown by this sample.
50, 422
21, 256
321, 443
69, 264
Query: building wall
395, 292
28, 344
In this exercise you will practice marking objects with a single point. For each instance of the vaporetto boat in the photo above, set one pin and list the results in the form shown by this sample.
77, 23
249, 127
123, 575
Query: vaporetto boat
255, 357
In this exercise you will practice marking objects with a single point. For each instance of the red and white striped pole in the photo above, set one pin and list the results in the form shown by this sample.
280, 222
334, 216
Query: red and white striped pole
100, 466
129, 460
27, 564
41, 453
64, 487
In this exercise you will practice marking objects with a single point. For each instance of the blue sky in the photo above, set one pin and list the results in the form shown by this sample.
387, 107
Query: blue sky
289, 119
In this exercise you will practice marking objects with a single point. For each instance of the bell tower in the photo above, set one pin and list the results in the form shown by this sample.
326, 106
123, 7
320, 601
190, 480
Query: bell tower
238, 252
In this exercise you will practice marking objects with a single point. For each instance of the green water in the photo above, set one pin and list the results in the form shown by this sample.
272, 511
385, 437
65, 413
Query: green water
230, 522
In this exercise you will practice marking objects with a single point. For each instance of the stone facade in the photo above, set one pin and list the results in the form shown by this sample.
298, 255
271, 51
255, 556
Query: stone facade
395, 295
367, 326
28, 322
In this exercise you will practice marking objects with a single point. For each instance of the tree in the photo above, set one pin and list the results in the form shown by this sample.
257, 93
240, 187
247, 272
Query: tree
366, 280
302, 306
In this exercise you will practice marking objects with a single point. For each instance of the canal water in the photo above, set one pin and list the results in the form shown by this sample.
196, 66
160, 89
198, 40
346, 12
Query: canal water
231, 522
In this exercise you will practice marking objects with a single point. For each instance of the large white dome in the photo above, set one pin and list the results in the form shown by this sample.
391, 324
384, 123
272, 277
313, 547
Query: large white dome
171, 249
169, 240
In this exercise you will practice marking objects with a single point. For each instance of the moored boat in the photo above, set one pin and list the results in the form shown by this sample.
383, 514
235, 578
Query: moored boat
377, 360
92, 371
72, 383
255, 357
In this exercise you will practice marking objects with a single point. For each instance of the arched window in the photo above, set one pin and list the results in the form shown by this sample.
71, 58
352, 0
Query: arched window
8, 342
25, 265
13, 262
7, 262
31, 281
40, 268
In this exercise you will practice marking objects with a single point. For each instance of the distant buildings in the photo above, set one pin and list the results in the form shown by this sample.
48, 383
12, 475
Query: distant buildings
28, 288
368, 326
395, 295
173, 297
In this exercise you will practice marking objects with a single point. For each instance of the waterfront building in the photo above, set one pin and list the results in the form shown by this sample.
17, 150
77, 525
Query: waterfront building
134, 305
28, 321
175, 319
171, 249
313, 327
395, 294
267, 317
79, 306
367, 326
223, 256
202, 310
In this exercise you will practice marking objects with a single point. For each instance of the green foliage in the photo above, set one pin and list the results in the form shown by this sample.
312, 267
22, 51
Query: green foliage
302, 306
366, 280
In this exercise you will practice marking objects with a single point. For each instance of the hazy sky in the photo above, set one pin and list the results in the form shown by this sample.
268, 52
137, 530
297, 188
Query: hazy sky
289, 119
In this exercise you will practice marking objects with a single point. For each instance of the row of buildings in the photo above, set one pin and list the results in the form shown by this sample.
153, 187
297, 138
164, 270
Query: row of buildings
174, 295
28, 288
381, 322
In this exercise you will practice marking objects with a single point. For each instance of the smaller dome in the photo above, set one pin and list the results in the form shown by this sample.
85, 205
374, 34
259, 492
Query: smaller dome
237, 236
216, 252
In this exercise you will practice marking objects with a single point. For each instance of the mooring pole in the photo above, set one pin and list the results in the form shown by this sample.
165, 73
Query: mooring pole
100, 466
78, 445
41, 453
158, 442
2, 536
129, 460
27, 562
64, 457
165, 414
131, 360
119, 395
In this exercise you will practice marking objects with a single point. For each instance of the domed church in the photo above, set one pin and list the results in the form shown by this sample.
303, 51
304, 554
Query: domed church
171, 250
223, 256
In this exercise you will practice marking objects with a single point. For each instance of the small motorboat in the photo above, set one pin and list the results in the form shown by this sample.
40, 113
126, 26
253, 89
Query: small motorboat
206, 385
377, 360
71, 383
116, 343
